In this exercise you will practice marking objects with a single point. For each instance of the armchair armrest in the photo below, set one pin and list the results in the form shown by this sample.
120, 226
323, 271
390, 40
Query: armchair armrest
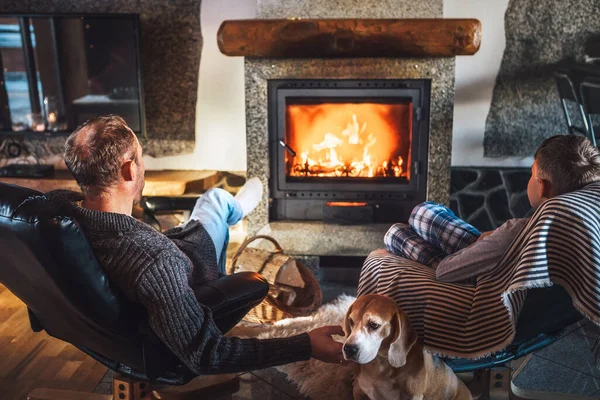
152, 205
155, 204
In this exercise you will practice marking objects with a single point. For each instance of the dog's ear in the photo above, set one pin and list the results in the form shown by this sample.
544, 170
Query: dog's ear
403, 339
347, 328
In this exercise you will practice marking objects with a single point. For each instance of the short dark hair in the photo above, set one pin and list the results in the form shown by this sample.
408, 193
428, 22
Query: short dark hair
94, 153
569, 162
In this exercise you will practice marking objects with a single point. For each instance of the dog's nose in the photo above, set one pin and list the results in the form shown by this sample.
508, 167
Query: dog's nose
350, 350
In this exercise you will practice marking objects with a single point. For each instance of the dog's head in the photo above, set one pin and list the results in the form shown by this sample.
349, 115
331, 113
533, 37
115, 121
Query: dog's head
375, 324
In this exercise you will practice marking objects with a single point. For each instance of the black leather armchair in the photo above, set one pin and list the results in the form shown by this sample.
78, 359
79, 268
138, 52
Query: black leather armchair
49, 265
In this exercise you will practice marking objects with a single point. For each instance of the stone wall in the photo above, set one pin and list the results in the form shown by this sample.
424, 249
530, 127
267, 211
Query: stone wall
525, 105
488, 197
170, 45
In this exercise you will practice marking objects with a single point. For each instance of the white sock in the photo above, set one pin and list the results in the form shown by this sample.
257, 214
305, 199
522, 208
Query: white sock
249, 195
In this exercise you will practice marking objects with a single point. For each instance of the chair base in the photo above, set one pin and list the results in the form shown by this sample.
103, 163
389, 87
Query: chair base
497, 384
129, 389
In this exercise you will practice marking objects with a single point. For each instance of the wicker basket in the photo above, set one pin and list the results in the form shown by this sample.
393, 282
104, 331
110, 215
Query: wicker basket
272, 308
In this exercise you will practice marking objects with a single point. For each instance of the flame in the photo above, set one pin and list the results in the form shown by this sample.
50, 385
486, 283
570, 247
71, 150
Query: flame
349, 139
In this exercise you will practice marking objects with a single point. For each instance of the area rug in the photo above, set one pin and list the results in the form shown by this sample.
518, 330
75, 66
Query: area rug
314, 378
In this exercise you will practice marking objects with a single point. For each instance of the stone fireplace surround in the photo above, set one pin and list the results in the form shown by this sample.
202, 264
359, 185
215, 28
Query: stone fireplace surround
311, 238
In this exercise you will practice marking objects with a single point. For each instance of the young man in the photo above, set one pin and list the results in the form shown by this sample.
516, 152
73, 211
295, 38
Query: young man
162, 271
458, 251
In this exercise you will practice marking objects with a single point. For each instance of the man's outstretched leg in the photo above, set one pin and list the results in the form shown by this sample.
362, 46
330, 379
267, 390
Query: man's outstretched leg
217, 209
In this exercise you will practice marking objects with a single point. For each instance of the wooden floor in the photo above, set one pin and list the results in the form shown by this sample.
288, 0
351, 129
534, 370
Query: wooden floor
29, 360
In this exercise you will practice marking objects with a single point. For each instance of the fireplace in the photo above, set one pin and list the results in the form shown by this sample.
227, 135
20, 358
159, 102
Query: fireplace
347, 147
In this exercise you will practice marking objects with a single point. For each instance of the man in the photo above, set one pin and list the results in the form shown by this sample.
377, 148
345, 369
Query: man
456, 250
160, 272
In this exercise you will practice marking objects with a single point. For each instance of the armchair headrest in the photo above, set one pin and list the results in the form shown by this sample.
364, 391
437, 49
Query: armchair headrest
66, 289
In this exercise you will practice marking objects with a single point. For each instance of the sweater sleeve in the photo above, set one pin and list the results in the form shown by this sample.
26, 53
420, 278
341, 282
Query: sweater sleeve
193, 240
188, 329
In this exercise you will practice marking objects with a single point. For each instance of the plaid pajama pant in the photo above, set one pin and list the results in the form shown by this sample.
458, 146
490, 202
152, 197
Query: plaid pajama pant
432, 233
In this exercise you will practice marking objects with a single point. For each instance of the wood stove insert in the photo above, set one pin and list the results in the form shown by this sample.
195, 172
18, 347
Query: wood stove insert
350, 151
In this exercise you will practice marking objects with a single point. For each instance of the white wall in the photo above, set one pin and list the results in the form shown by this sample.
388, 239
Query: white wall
220, 109
475, 79
221, 120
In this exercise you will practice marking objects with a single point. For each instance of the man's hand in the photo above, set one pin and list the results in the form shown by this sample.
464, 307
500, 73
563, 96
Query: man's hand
324, 348
484, 234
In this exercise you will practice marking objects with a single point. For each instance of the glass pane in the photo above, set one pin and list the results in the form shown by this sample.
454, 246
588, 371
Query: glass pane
82, 67
349, 140
111, 60
15, 76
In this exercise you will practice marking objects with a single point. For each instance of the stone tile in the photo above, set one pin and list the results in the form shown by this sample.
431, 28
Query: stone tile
545, 375
461, 178
519, 205
577, 325
468, 203
572, 351
454, 206
481, 220
108, 377
279, 380
103, 388
488, 179
497, 203
516, 180
253, 387
105, 385
590, 330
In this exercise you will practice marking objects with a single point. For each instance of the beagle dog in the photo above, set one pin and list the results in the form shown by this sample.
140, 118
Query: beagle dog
393, 364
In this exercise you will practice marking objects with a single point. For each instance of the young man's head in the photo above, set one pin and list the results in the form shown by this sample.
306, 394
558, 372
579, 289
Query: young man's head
105, 157
562, 164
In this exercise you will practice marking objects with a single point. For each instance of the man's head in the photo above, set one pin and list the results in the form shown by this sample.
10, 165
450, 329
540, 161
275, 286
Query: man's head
562, 164
105, 156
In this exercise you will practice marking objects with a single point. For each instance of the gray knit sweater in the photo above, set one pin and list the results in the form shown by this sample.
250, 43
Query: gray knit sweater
155, 270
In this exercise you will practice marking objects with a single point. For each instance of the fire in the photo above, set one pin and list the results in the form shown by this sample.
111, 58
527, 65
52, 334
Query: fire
348, 140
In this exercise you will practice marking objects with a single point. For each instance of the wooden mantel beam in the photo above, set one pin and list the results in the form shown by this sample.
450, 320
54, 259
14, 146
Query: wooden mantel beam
316, 38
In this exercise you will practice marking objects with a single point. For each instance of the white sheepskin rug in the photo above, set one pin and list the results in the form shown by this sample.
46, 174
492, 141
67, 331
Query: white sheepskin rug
314, 379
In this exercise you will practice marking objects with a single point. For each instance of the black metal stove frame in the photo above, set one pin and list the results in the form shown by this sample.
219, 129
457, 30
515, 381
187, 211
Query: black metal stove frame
305, 199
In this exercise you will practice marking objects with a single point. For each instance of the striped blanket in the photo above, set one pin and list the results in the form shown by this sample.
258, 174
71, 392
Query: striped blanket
560, 244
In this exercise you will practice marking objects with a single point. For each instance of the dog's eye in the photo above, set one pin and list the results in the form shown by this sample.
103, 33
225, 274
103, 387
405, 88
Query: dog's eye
373, 325
351, 322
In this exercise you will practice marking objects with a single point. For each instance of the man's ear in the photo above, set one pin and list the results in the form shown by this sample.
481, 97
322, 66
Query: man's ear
545, 188
128, 171
403, 339
347, 328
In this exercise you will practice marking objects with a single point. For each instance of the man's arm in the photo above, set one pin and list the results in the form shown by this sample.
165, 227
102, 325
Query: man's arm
481, 256
188, 329
193, 240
